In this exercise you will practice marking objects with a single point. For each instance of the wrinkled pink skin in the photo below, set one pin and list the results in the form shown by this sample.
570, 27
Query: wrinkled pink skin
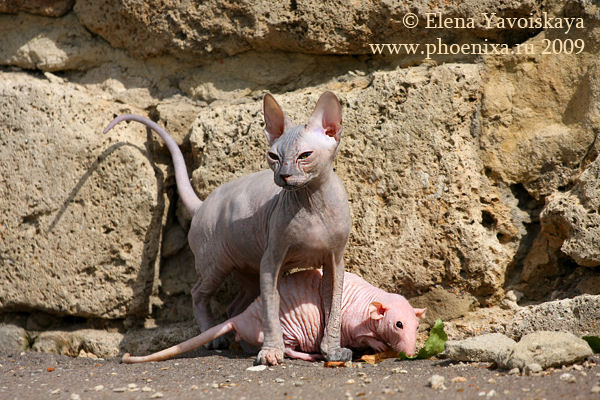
262, 224
369, 318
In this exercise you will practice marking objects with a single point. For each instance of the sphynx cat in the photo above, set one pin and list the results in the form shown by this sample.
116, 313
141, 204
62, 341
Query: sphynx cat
263, 224
371, 318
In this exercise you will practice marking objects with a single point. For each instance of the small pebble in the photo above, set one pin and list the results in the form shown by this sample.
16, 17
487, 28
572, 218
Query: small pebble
399, 371
156, 395
98, 388
350, 381
490, 394
146, 389
514, 371
568, 378
55, 391
193, 387
595, 389
578, 367
132, 387
533, 368
298, 383
279, 380
120, 389
459, 379
436, 382
257, 368
491, 380
75, 396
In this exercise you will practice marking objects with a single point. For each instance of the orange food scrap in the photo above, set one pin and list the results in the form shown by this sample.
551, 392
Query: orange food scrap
335, 364
379, 357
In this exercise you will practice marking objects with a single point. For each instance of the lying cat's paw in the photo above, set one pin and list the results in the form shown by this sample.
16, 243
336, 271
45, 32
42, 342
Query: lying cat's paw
338, 354
269, 356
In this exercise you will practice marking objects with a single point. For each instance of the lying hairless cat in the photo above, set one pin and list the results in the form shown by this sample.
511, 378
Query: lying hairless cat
370, 318
265, 223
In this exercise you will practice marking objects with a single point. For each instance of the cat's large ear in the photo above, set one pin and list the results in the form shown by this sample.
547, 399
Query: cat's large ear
327, 116
276, 122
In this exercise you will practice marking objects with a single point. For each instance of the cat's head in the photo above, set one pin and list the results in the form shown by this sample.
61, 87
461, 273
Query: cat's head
303, 154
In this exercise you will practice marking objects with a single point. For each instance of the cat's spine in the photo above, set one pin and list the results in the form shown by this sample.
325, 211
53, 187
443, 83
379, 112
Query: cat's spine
184, 187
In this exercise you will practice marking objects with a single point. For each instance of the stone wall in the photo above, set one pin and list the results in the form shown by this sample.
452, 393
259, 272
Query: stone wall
469, 176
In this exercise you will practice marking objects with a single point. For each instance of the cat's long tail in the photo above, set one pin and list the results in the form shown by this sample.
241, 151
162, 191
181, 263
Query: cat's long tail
183, 347
189, 198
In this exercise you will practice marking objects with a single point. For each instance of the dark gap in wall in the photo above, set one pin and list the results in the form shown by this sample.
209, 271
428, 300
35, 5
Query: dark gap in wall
533, 208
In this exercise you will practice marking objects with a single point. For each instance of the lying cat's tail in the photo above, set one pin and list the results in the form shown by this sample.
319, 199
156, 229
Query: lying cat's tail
188, 345
189, 198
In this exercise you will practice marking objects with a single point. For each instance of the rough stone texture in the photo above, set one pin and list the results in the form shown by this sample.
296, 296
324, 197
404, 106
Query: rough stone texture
539, 111
177, 274
100, 343
580, 316
571, 220
479, 322
13, 338
538, 133
49, 44
79, 230
538, 118
547, 349
49, 8
174, 240
146, 341
483, 348
155, 28
444, 304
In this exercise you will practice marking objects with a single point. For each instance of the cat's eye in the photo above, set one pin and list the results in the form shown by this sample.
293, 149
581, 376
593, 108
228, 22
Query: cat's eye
399, 325
304, 155
273, 156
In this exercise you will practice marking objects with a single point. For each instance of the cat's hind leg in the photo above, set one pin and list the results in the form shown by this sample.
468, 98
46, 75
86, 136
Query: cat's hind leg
205, 287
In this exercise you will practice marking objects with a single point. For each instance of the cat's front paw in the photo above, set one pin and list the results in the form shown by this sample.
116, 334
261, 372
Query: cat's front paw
338, 354
269, 356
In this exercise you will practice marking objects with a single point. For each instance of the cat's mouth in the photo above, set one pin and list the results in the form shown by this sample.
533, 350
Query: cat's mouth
293, 186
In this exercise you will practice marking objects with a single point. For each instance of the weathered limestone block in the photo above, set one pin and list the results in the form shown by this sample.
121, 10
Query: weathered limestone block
217, 27
81, 210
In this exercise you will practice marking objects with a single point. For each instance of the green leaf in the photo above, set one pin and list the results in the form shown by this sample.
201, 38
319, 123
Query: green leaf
594, 342
435, 344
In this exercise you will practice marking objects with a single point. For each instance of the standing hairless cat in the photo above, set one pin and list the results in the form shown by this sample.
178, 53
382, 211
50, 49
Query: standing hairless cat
265, 223
370, 318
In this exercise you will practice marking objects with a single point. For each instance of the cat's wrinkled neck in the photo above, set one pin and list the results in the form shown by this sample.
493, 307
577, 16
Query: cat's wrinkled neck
318, 193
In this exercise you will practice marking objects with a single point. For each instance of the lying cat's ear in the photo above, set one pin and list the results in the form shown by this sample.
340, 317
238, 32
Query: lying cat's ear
327, 116
276, 122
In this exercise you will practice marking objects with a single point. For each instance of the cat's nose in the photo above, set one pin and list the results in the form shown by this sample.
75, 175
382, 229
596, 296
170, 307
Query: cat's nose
284, 176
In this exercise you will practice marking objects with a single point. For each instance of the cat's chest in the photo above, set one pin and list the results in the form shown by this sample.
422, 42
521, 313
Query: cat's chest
310, 232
